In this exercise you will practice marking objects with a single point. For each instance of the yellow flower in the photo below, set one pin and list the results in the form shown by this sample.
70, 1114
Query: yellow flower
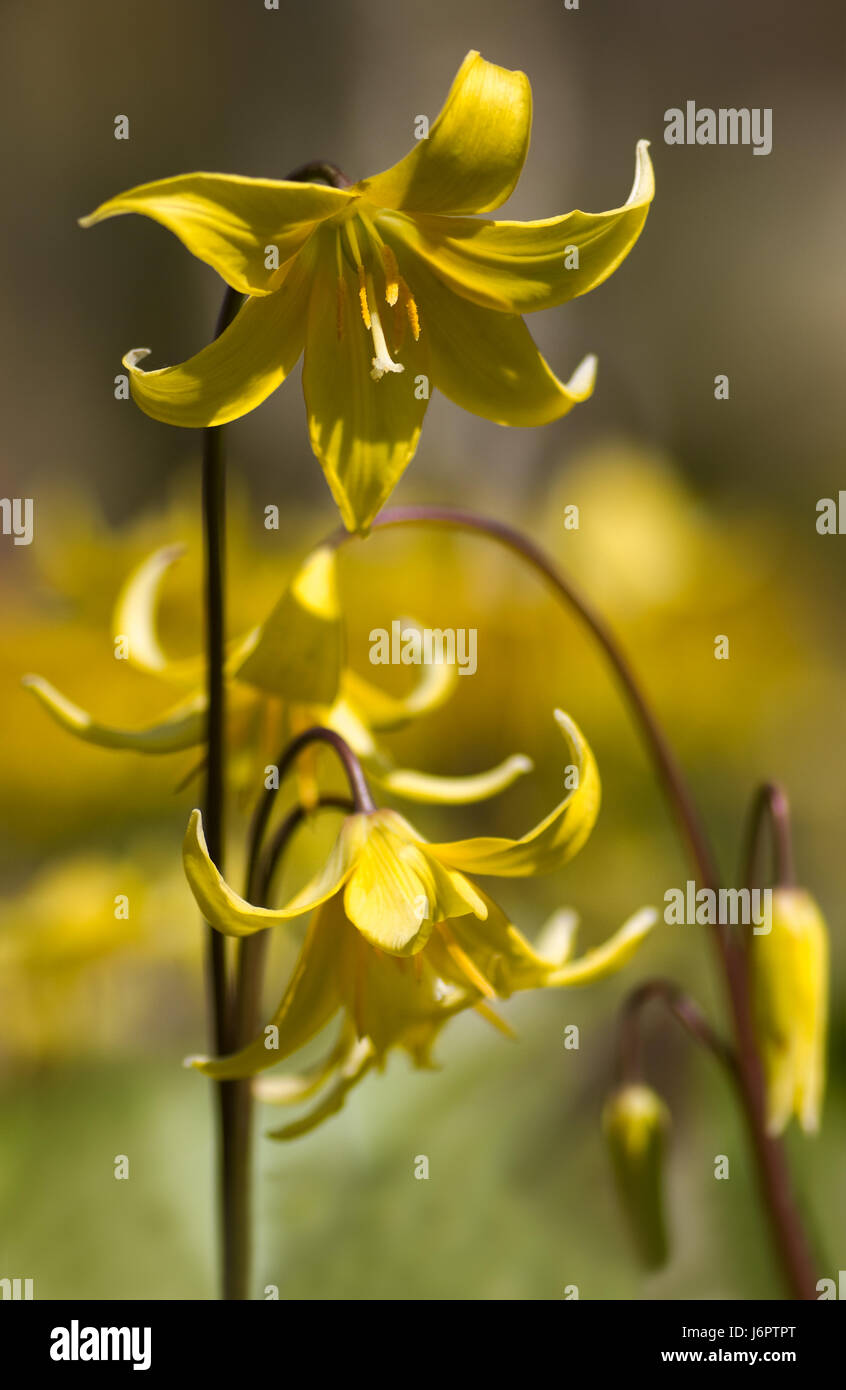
789, 981
401, 939
386, 286
635, 1121
289, 672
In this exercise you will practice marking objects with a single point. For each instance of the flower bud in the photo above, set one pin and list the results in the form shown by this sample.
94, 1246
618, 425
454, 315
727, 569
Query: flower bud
789, 984
635, 1121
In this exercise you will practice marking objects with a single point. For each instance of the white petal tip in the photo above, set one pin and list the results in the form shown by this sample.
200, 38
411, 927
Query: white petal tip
583, 380
134, 356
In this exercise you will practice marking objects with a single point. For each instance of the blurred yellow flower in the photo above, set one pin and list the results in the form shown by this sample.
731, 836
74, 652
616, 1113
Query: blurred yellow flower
447, 310
291, 671
789, 980
401, 939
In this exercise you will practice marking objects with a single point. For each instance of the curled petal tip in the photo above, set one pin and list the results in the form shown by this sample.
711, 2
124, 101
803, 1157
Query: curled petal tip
134, 356
583, 380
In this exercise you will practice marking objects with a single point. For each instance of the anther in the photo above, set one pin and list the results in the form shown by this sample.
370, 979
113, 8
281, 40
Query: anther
410, 309
392, 275
362, 296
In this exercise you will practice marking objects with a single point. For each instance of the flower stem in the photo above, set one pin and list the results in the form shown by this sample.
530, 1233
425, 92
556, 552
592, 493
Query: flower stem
231, 1011
771, 804
683, 1008
232, 1096
789, 1238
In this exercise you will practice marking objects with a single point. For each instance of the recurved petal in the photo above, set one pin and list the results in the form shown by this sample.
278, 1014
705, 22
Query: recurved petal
520, 267
232, 223
184, 726
610, 956
135, 619
486, 361
291, 1088
475, 149
312, 997
233, 915
298, 649
363, 431
381, 711
357, 1063
555, 840
449, 791
237, 371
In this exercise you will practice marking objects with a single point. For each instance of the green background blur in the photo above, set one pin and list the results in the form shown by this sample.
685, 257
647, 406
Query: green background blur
697, 519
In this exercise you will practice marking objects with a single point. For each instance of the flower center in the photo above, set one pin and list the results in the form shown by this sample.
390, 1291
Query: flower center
375, 262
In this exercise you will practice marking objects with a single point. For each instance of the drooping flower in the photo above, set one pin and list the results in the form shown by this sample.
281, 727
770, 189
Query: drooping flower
789, 982
401, 939
387, 286
285, 676
635, 1121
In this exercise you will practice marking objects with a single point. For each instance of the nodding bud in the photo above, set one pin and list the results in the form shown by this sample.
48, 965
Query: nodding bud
789, 987
635, 1121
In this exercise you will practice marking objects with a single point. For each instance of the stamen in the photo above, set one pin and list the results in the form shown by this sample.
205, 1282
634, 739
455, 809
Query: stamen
383, 361
410, 308
392, 275
362, 297
464, 963
494, 1019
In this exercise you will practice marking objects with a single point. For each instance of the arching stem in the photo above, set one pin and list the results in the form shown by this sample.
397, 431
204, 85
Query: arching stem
684, 1009
770, 806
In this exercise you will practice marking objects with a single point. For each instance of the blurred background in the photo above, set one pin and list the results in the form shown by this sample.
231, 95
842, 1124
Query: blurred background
697, 519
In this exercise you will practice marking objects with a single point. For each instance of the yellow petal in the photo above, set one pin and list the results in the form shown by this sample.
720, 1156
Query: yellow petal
364, 432
397, 1002
233, 915
237, 371
358, 1062
449, 791
486, 361
475, 149
397, 891
183, 727
297, 653
520, 267
555, 840
498, 953
789, 988
231, 222
610, 956
293, 1087
311, 998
